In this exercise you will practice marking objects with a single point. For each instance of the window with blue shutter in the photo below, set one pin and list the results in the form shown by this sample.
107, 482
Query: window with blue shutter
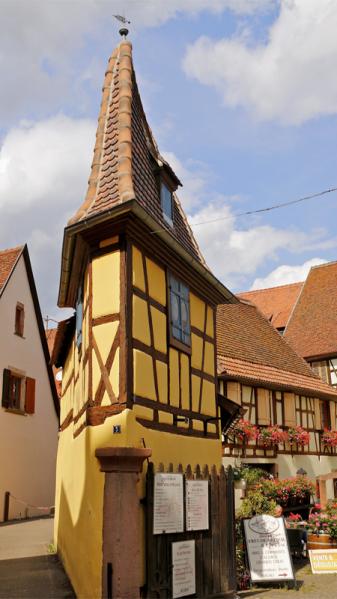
180, 311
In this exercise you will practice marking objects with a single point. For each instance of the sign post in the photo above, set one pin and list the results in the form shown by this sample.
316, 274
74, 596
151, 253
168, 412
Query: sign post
268, 549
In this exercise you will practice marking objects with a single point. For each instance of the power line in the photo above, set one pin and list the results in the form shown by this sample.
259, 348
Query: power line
268, 209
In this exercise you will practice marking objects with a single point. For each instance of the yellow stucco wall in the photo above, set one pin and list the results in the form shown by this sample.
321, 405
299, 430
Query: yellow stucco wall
79, 488
79, 492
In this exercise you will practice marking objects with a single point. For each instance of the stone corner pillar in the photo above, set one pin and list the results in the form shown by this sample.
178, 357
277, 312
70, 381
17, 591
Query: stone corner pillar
121, 520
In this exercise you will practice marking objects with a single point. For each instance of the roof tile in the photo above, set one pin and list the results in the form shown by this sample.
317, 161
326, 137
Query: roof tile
8, 259
250, 349
276, 303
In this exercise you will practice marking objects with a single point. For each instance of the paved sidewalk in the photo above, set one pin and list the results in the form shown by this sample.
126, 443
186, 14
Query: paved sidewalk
27, 569
310, 586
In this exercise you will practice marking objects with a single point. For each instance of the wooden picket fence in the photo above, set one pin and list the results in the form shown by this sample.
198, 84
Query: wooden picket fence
214, 548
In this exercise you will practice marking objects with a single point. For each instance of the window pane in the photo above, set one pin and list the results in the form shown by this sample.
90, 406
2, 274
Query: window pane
166, 201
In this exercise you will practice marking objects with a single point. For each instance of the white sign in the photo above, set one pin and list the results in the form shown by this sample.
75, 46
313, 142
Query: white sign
183, 569
197, 516
168, 508
323, 561
268, 550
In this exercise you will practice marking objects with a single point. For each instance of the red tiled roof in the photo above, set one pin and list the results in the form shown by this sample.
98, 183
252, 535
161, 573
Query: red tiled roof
276, 303
8, 259
250, 349
312, 327
126, 157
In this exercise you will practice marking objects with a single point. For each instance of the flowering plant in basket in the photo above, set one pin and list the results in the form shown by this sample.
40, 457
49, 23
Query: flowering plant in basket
329, 438
298, 435
272, 435
323, 523
245, 430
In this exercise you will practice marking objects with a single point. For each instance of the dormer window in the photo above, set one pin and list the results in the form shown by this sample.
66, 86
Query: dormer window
166, 203
19, 319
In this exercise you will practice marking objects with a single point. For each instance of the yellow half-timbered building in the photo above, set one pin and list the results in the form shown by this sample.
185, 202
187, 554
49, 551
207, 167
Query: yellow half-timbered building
138, 358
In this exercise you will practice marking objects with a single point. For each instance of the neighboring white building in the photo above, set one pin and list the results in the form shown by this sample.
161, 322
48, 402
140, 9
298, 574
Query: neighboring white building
29, 403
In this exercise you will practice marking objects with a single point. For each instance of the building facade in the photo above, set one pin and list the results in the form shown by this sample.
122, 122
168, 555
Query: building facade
139, 356
29, 403
259, 370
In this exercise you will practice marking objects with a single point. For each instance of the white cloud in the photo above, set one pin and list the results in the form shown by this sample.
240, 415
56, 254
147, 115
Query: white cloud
44, 169
44, 45
289, 78
286, 274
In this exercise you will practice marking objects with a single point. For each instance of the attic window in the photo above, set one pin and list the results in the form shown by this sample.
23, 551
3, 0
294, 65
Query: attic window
19, 319
166, 203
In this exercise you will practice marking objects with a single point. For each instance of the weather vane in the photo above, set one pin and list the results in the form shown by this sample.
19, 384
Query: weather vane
124, 30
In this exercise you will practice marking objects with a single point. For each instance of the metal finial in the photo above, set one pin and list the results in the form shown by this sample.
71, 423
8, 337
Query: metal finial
124, 30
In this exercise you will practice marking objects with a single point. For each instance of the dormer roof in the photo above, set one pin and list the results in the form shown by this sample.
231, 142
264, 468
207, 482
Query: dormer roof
127, 164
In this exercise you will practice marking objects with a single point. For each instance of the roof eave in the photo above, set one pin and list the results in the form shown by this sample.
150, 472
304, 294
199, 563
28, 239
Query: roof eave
134, 207
278, 386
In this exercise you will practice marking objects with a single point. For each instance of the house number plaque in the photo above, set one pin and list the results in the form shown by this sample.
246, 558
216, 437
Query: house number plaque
168, 504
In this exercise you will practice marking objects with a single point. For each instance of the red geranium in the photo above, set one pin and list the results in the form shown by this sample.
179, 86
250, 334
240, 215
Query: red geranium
298, 435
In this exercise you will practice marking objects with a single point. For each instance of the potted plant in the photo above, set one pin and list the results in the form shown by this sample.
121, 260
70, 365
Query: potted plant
272, 435
329, 438
298, 435
322, 530
244, 431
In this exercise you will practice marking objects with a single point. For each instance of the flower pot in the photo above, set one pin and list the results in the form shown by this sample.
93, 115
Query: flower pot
320, 542
240, 484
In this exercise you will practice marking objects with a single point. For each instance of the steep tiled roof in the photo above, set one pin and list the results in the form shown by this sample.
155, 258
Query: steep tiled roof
8, 259
126, 156
312, 328
250, 349
276, 303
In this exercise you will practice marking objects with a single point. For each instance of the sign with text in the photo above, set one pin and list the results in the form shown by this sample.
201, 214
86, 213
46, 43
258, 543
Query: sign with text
197, 515
168, 505
268, 550
323, 561
183, 569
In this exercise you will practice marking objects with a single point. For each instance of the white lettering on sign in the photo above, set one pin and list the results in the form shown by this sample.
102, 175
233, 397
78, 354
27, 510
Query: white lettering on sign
197, 515
268, 550
168, 505
183, 569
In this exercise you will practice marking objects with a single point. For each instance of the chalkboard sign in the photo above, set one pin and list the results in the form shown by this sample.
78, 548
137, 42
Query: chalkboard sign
268, 549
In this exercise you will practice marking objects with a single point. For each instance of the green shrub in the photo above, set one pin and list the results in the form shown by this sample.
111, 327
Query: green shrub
256, 503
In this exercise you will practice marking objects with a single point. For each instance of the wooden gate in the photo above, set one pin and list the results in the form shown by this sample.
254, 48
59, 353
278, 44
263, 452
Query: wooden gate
214, 548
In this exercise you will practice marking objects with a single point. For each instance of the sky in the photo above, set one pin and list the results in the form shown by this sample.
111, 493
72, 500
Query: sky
241, 96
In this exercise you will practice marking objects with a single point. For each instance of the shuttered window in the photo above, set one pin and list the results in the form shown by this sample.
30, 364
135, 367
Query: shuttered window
17, 390
180, 311
30, 396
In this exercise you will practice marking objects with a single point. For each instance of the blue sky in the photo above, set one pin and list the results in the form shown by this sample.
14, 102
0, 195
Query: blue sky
241, 96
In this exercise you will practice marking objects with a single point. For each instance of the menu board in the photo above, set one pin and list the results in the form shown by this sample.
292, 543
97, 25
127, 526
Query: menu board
197, 514
183, 569
168, 504
268, 550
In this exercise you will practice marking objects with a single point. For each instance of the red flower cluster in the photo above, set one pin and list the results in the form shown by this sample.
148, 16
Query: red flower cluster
298, 435
272, 435
329, 438
245, 430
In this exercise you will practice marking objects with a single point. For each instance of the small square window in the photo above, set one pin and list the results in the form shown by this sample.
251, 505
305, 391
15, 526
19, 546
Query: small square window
166, 203
180, 311
19, 319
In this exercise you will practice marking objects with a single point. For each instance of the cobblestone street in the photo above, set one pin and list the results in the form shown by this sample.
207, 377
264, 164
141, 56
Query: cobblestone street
310, 586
